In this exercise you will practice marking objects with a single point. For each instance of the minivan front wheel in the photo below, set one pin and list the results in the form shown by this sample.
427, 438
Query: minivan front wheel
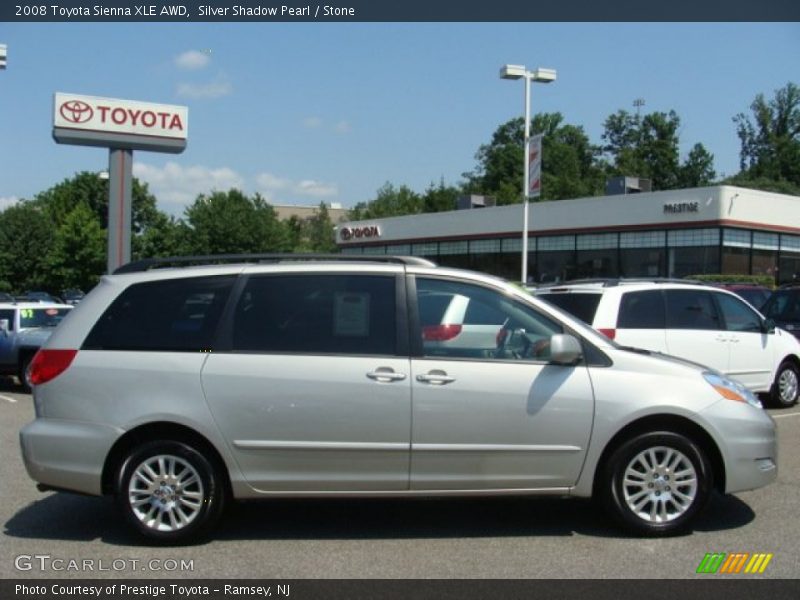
169, 491
786, 386
657, 482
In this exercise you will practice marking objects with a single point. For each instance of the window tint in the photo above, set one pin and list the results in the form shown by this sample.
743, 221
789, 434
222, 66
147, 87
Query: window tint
175, 315
317, 314
9, 315
738, 316
691, 309
641, 310
480, 323
583, 306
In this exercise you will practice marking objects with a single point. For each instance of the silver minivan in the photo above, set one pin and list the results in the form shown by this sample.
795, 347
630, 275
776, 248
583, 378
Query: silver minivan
179, 389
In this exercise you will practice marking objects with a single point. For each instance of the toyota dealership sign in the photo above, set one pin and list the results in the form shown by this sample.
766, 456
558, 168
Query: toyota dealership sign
92, 121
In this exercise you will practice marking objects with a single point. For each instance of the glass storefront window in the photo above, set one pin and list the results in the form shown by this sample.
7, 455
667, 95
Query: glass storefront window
643, 262
697, 260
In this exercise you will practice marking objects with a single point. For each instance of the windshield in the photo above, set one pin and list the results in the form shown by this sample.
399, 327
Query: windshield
783, 306
41, 317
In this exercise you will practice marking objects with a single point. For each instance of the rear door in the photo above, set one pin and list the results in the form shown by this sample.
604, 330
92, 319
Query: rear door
312, 387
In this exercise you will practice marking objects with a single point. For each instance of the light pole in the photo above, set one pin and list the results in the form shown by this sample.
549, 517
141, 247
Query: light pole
542, 76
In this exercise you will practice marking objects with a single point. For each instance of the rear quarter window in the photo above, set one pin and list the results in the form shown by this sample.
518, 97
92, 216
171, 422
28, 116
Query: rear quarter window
178, 315
583, 306
642, 310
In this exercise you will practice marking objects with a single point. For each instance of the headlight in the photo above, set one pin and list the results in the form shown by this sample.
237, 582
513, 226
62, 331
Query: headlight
730, 389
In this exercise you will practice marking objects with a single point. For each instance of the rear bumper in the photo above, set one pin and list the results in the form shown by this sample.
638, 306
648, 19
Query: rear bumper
67, 455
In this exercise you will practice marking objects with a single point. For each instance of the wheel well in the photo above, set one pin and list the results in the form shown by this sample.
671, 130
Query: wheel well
159, 431
792, 359
674, 424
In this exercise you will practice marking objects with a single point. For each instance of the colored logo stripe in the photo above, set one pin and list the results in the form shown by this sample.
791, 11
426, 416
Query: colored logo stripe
736, 562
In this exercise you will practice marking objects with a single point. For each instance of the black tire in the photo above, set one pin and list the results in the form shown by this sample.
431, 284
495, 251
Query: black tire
786, 385
183, 501
650, 502
22, 375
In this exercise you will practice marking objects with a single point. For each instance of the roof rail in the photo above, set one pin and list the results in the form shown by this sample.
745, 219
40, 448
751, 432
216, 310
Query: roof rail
615, 281
147, 264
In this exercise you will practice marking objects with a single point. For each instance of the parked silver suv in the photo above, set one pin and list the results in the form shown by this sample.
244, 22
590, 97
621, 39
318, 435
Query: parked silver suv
177, 389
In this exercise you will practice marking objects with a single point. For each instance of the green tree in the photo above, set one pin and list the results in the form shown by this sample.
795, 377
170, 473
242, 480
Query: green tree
164, 236
88, 188
25, 240
77, 257
698, 168
232, 222
439, 198
770, 137
320, 231
570, 166
389, 202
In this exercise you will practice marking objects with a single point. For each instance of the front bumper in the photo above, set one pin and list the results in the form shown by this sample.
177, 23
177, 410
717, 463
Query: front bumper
67, 455
748, 441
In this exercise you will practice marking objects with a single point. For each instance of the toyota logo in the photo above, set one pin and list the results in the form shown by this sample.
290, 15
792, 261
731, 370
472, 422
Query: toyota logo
76, 111
346, 233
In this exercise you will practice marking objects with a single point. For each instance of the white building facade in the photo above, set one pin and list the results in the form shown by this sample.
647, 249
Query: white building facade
676, 233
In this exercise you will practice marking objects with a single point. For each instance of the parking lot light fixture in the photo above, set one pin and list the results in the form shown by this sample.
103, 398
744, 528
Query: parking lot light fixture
539, 75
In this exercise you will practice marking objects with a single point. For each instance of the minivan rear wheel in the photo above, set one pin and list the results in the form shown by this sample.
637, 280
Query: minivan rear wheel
169, 491
656, 483
786, 386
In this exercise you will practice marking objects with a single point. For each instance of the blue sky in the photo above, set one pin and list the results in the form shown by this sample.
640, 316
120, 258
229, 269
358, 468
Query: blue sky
311, 112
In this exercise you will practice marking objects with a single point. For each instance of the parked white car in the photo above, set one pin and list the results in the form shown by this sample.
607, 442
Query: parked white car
700, 323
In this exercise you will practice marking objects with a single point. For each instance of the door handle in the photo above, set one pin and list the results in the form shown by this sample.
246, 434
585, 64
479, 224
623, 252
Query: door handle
385, 375
436, 378
723, 338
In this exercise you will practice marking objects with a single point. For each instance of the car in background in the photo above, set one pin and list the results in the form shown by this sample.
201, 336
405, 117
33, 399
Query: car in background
72, 296
6, 298
783, 307
38, 296
755, 294
24, 327
704, 324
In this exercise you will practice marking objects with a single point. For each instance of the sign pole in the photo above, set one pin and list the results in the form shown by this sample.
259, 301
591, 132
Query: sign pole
120, 199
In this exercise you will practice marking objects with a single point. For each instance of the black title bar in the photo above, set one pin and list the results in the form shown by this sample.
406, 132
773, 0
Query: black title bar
400, 10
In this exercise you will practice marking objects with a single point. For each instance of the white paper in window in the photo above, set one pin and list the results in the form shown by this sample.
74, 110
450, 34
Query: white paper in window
351, 314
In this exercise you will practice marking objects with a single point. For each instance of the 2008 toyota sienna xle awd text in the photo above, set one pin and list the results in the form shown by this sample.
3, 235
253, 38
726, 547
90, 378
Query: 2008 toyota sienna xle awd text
179, 389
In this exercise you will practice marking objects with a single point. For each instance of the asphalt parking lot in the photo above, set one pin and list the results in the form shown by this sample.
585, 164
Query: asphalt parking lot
444, 538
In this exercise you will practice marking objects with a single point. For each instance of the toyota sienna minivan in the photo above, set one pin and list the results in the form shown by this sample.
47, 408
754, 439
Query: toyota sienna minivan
178, 388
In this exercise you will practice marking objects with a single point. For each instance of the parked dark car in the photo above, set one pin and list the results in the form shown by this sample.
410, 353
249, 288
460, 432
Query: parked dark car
38, 296
783, 307
72, 296
755, 294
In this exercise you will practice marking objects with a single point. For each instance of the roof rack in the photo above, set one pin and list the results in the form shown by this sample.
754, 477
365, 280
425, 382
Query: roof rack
615, 281
147, 264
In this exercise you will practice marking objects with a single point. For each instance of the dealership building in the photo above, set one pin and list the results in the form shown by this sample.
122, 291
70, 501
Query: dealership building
719, 229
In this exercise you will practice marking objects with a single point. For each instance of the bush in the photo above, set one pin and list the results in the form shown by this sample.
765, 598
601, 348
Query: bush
765, 280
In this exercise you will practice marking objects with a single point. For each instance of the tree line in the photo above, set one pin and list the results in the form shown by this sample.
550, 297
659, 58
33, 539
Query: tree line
57, 239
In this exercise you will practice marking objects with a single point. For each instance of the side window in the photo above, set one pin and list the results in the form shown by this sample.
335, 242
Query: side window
738, 316
178, 315
317, 314
691, 309
8, 314
641, 310
461, 320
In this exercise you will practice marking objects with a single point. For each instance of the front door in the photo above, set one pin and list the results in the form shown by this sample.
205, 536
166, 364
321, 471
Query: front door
496, 415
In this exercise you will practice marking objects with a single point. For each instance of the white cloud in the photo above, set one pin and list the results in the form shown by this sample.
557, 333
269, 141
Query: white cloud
176, 186
315, 189
268, 184
312, 122
6, 201
200, 91
342, 127
192, 60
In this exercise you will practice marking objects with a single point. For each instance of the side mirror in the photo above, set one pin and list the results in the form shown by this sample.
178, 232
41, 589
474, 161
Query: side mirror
768, 326
4, 326
565, 349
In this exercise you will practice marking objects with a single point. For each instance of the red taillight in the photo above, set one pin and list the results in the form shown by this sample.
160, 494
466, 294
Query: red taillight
440, 333
501, 336
49, 364
609, 333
